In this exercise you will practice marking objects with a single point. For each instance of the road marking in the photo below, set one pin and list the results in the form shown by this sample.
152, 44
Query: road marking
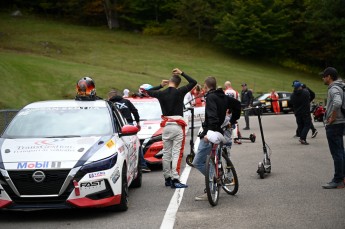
170, 214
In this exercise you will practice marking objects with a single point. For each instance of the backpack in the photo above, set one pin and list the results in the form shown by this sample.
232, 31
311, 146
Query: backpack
342, 108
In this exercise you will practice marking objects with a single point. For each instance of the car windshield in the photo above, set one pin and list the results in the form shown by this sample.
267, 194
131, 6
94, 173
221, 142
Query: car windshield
60, 122
148, 110
262, 97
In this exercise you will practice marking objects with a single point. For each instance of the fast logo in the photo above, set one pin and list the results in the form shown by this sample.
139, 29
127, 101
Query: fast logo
39, 165
90, 184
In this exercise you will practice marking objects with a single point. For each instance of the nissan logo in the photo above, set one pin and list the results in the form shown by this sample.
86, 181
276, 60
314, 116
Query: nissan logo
38, 176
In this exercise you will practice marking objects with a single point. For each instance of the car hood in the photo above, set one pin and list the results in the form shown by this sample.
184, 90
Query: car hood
148, 128
47, 153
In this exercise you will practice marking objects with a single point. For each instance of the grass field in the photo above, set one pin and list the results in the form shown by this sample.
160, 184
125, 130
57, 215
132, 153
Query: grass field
42, 59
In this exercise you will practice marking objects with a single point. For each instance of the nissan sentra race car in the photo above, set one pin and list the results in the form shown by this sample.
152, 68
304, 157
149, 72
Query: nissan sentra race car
68, 154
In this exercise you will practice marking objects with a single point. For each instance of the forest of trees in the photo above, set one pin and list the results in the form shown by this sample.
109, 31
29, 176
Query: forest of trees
303, 32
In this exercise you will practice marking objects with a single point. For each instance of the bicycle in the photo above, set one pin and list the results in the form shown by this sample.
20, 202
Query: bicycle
220, 172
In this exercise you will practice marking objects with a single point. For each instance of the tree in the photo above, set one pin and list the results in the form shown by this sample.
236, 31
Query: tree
255, 27
325, 34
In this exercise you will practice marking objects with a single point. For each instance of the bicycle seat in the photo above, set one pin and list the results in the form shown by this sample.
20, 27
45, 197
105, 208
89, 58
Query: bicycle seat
215, 137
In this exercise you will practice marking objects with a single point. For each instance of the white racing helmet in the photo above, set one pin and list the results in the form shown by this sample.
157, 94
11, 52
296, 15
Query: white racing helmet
144, 87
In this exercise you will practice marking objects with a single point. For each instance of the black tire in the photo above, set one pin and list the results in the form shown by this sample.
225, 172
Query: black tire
212, 187
261, 172
189, 160
252, 137
123, 206
230, 182
136, 183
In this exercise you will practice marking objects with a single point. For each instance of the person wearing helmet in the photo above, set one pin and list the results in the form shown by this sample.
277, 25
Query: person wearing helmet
127, 109
171, 102
86, 89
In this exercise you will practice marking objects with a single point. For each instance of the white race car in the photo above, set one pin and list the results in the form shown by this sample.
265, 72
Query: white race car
68, 154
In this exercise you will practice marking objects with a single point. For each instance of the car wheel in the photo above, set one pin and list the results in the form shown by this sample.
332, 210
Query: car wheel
136, 183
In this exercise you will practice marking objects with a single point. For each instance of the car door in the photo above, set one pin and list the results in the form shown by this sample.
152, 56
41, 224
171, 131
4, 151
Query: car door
130, 143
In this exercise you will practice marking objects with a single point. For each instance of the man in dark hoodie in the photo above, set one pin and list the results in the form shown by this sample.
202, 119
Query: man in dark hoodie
127, 109
301, 106
217, 103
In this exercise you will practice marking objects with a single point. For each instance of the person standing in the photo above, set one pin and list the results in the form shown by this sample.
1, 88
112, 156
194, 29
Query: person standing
275, 101
301, 106
217, 104
246, 101
127, 109
229, 91
171, 101
334, 121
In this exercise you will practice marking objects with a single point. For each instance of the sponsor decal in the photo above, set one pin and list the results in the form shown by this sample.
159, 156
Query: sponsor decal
115, 176
44, 146
96, 174
121, 149
110, 143
39, 165
48, 141
90, 184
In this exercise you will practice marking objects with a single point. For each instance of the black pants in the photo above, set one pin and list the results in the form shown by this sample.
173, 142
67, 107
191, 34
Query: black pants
303, 125
311, 127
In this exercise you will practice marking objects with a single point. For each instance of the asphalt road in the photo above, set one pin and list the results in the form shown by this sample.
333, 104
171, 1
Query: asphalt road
290, 197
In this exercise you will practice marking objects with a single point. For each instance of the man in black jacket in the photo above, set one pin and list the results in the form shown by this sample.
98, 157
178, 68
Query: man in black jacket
171, 101
301, 106
217, 103
311, 98
127, 109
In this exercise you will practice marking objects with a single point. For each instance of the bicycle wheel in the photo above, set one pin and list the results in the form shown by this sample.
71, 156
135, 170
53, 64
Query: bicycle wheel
212, 188
229, 179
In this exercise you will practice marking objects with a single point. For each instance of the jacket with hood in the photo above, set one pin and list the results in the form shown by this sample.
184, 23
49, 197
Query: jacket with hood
216, 105
334, 102
126, 108
300, 102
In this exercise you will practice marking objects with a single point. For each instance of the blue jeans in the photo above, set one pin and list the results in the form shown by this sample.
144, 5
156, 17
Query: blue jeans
334, 135
199, 161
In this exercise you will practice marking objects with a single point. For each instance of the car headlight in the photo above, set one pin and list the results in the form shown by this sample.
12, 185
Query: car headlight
103, 164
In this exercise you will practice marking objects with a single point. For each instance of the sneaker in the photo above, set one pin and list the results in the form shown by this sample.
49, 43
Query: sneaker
333, 185
177, 184
145, 169
246, 128
168, 181
303, 142
201, 197
314, 133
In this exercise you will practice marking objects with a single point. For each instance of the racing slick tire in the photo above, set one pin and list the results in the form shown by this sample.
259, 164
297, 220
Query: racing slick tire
136, 183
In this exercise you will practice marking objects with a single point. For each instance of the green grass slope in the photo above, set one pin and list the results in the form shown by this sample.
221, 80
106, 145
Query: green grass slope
41, 60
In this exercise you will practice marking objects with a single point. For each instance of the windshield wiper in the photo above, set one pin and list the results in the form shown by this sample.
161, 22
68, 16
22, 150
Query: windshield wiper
65, 136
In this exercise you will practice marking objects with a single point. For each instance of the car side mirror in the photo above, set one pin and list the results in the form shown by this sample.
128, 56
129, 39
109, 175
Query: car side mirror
128, 130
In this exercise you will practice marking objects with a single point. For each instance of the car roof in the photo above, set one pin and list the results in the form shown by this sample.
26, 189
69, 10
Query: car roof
142, 99
67, 103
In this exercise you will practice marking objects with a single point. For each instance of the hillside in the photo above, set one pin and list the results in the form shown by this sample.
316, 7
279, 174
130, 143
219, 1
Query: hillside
42, 59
